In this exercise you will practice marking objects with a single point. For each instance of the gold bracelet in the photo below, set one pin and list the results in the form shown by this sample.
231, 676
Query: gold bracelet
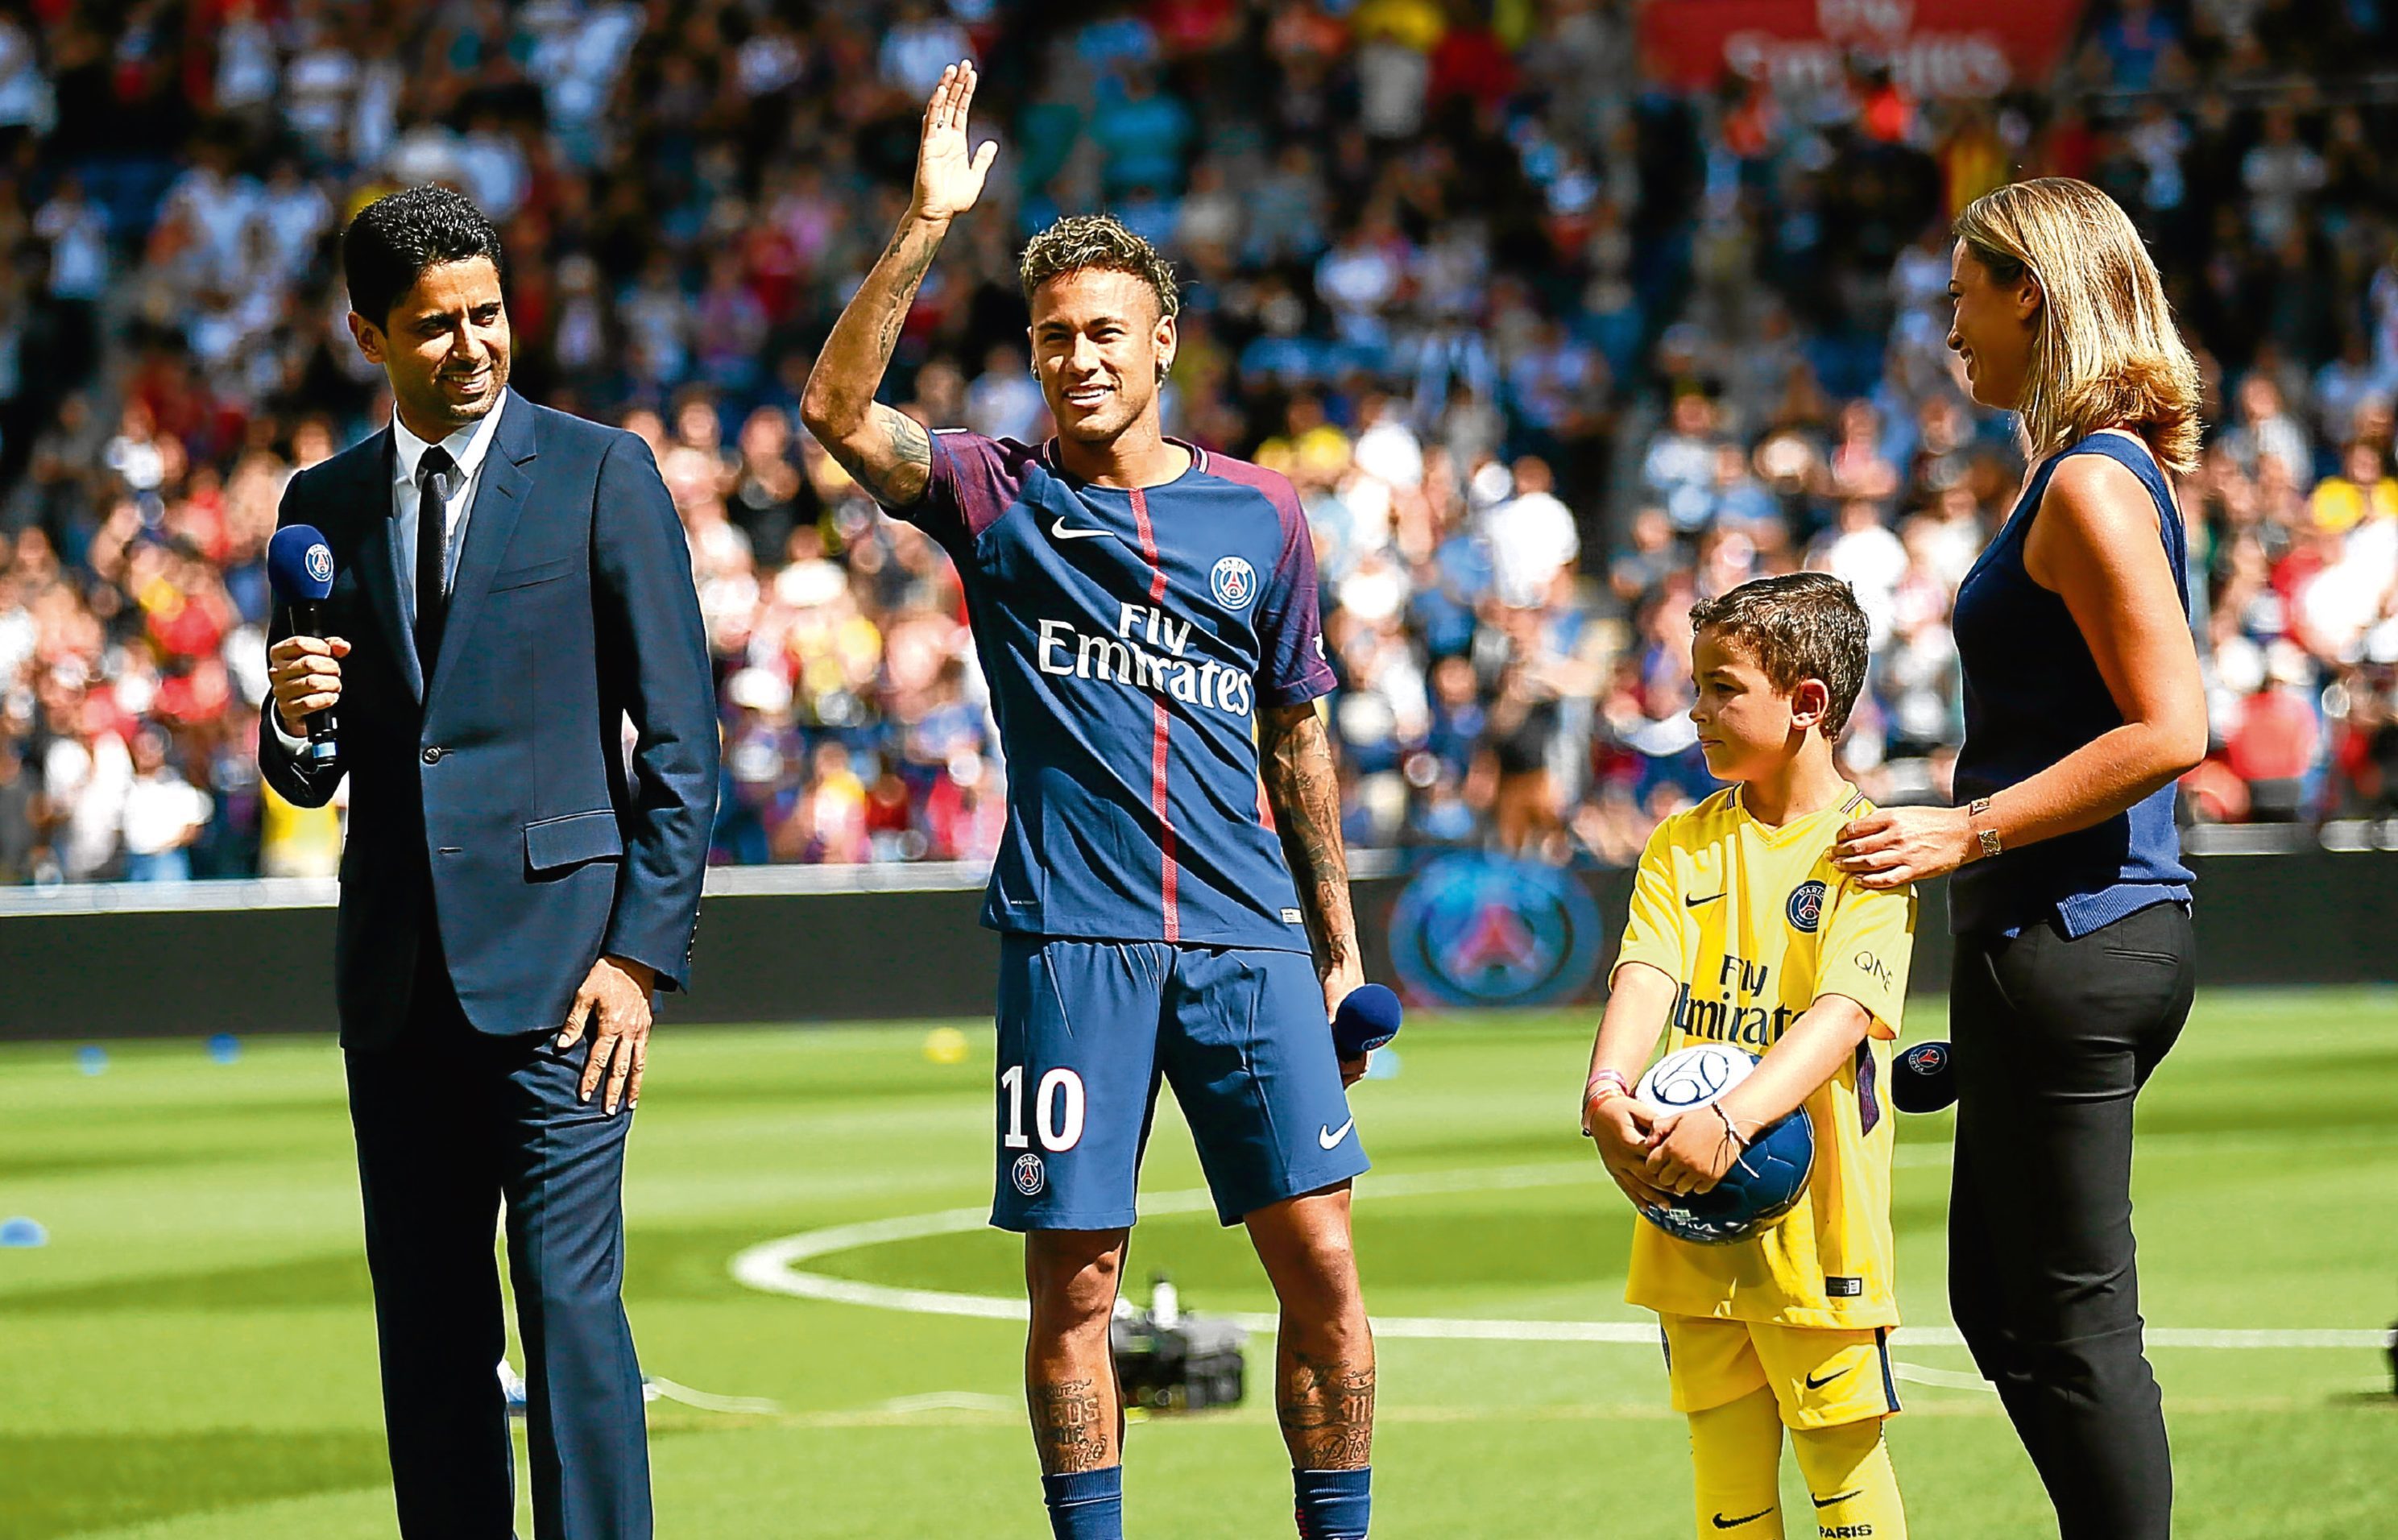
1980, 808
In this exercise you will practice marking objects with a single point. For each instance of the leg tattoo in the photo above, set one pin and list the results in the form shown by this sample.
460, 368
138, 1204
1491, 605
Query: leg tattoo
1327, 1407
1069, 1424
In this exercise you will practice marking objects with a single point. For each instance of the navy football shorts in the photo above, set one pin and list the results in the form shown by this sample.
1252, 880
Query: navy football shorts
1086, 1029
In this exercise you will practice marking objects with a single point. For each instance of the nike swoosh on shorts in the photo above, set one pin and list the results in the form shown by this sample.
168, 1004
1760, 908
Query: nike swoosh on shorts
1329, 1137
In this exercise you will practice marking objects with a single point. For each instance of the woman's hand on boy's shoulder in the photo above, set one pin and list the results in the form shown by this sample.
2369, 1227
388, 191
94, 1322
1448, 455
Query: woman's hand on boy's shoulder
1893, 846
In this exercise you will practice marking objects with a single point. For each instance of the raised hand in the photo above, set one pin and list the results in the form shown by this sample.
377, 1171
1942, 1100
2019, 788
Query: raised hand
949, 176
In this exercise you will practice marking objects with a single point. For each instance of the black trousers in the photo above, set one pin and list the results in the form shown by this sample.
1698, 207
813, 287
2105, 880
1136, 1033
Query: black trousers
454, 1127
2053, 1039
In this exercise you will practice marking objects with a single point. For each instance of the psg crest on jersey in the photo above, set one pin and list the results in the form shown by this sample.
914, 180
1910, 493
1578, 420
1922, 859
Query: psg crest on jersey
1475, 929
1806, 906
319, 562
1234, 582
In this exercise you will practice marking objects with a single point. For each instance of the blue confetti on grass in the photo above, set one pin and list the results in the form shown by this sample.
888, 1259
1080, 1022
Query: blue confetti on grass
21, 1233
225, 1048
92, 1061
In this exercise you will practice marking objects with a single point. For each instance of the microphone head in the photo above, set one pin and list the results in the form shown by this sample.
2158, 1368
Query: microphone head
1368, 1018
299, 565
1924, 1079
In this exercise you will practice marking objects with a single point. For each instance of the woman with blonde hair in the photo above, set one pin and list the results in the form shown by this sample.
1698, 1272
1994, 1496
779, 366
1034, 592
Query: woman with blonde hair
2070, 902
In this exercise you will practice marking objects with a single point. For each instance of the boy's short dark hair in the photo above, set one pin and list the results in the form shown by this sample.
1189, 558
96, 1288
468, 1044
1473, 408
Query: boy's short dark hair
1797, 625
394, 239
1102, 241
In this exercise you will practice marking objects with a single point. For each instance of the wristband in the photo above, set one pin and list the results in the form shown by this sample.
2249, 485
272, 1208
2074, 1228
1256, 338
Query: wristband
1597, 1093
1740, 1141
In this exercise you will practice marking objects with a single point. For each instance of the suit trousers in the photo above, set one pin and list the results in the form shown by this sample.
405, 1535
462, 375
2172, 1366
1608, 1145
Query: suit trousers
2053, 1038
456, 1127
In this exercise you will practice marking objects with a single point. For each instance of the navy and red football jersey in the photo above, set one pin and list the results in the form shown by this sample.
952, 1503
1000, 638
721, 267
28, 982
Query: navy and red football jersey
1130, 638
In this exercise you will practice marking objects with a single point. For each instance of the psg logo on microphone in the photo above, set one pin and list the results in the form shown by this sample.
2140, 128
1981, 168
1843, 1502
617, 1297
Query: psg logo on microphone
320, 562
1806, 906
1234, 582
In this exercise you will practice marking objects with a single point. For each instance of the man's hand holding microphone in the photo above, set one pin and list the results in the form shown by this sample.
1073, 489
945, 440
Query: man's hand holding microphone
306, 673
305, 670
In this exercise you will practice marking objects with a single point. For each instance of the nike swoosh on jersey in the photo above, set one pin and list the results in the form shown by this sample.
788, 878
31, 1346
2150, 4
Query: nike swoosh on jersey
1836, 1497
1063, 532
1689, 902
1814, 1383
1329, 1137
1724, 1523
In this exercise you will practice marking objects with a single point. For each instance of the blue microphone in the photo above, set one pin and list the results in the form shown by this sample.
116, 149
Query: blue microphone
1924, 1079
300, 569
1369, 1018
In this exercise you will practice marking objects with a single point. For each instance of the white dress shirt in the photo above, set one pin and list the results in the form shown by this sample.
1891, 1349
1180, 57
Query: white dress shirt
469, 447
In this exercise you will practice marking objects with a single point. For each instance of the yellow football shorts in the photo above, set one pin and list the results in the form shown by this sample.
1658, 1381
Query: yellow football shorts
1820, 1376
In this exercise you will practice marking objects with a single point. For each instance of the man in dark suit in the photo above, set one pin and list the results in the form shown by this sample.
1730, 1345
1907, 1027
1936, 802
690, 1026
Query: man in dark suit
512, 587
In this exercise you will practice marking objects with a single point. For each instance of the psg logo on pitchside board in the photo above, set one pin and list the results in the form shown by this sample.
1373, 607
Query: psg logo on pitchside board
1475, 929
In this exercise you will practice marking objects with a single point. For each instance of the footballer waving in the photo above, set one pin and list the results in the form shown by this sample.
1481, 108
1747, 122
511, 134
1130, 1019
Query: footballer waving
1146, 610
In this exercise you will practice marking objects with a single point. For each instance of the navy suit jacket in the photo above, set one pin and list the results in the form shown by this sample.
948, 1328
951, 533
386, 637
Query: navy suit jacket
500, 787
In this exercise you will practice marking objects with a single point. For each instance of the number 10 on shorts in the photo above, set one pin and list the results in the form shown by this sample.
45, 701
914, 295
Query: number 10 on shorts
1056, 1109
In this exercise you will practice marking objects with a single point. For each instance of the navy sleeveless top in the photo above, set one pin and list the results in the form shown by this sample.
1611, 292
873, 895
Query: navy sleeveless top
2033, 695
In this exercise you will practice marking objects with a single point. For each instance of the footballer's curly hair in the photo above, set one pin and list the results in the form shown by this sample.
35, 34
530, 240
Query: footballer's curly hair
394, 239
1796, 626
1097, 240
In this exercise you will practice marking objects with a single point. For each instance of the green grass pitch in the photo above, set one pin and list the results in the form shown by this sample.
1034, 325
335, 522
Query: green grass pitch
190, 1357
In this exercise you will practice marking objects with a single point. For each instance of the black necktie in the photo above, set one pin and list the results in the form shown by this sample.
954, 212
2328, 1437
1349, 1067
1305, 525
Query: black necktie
433, 474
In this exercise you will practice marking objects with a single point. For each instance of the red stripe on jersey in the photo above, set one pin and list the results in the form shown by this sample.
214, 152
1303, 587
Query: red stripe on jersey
1166, 875
1148, 545
1157, 788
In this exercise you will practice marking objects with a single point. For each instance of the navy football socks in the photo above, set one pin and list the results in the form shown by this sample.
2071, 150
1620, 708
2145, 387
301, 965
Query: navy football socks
1086, 1505
1333, 1505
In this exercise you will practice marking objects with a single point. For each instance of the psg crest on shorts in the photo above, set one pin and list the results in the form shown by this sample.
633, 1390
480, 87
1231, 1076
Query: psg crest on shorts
1475, 929
1806, 906
1234, 583
1029, 1178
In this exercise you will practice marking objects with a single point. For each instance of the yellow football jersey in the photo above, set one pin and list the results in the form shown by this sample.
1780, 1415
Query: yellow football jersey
1756, 924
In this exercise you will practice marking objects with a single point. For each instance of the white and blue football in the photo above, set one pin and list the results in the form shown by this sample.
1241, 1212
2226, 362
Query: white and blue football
1763, 1184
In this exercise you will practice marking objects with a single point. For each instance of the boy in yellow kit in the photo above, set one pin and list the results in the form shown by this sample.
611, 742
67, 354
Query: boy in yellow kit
1743, 932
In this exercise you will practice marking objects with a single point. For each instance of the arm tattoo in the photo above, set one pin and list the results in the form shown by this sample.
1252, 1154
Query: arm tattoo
1327, 1413
896, 472
1295, 758
1068, 1429
886, 453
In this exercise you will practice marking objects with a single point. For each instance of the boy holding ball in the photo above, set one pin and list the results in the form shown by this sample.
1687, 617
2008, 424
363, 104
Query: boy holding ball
1741, 932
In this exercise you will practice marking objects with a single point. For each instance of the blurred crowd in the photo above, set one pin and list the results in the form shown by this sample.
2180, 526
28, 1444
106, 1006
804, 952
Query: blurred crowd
1548, 349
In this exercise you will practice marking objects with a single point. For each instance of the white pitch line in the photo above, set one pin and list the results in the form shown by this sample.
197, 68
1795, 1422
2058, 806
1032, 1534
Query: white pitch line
1947, 1379
772, 1267
739, 1405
